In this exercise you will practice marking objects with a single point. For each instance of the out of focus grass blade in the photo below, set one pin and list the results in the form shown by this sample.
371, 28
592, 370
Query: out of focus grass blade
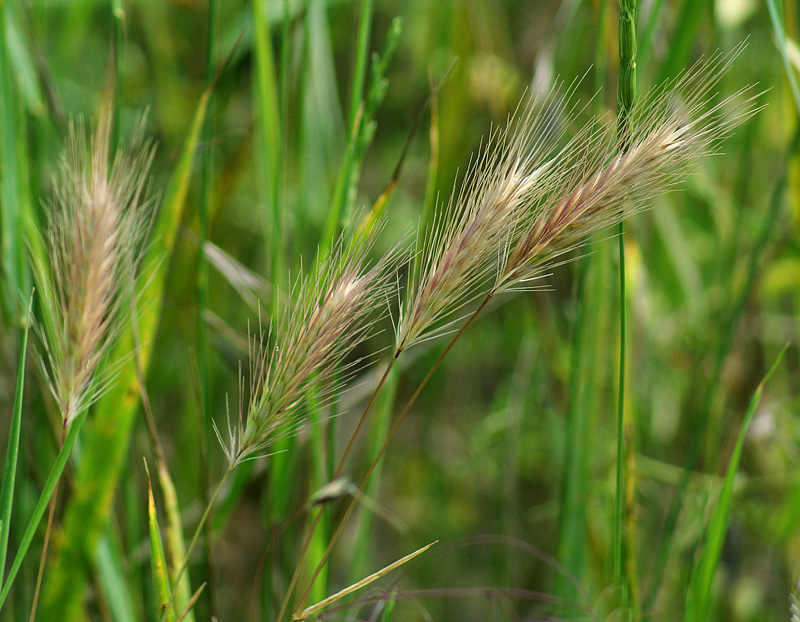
780, 32
114, 581
269, 134
42, 503
690, 18
10, 462
13, 196
698, 602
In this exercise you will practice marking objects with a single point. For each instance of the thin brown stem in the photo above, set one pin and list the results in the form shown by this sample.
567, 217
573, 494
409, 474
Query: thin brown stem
378, 457
318, 517
48, 530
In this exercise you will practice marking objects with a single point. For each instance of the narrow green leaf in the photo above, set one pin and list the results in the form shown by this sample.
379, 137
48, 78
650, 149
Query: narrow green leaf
41, 504
10, 464
698, 602
158, 562
113, 580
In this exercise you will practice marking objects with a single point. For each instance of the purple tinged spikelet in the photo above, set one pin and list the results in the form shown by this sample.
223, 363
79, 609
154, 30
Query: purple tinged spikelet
527, 200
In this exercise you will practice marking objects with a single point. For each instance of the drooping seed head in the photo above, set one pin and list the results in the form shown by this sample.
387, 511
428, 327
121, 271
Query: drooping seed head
595, 185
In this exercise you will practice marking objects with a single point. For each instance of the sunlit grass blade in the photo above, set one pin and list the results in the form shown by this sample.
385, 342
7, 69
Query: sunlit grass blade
314, 609
158, 562
699, 595
12, 452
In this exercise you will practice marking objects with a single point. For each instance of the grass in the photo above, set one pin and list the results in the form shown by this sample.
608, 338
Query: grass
554, 491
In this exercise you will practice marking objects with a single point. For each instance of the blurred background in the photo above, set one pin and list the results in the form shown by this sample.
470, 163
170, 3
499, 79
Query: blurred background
509, 456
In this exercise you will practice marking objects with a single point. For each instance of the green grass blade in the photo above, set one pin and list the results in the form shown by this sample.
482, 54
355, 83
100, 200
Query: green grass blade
10, 463
269, 136
780, 32
109, 436
41, 504
13, 269
113, 581
158, 562
175, 542
698, 602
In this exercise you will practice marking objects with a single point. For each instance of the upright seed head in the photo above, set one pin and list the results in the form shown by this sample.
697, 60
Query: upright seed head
97, 224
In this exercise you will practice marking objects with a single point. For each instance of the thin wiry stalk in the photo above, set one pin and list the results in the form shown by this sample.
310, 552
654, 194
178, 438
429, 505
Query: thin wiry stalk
335, 310
97, 224
626, 96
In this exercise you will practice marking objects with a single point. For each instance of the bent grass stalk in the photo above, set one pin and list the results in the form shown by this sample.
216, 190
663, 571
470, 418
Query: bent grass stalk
545, 211
332, 313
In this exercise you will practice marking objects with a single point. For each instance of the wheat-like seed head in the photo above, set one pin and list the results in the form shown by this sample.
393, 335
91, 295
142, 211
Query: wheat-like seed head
97, 223
334, 309
526, 201
464, 239
595, 185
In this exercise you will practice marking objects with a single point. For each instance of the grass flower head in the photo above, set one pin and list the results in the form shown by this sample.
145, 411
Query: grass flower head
97, 224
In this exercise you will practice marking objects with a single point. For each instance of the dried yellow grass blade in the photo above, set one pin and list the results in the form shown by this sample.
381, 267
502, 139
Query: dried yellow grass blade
313, 609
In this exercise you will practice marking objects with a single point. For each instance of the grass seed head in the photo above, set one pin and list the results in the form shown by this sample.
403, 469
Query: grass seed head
97, 224
334, 309
462, 243
595, 184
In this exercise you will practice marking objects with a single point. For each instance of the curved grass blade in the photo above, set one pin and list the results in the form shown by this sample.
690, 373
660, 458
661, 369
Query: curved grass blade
698, 601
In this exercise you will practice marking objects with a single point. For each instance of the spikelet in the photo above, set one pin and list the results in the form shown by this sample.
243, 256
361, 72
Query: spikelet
334, 309
97, 223
464, 239
592, 186
529, 200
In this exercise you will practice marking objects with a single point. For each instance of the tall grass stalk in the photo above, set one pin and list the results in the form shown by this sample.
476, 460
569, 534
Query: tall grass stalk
626, 95
204, 379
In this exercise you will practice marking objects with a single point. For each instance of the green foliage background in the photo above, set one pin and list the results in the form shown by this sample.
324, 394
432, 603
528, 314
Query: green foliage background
508, 458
